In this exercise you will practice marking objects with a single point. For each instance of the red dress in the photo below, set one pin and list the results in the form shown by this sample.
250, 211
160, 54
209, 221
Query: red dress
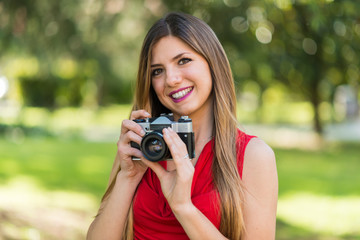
153, 218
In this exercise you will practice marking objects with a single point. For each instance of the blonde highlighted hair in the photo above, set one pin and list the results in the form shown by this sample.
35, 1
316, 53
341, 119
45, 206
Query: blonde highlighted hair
199, 36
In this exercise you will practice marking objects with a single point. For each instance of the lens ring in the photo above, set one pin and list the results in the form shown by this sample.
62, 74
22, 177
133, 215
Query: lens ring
154, 147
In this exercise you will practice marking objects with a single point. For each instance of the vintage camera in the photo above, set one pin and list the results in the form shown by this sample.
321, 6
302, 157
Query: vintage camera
153, 145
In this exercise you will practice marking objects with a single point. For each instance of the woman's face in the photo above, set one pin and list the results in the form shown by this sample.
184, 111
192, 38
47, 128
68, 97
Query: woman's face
181, 78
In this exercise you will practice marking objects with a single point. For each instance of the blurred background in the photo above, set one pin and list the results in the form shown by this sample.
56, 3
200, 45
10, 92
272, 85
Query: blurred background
67, 72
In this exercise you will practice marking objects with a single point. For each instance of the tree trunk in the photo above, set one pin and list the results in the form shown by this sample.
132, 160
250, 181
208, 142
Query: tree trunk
317, 124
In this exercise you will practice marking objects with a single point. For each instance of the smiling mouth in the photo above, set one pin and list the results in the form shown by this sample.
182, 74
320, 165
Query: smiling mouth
180, 94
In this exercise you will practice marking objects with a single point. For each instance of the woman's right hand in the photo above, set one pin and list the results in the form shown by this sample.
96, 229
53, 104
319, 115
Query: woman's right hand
125, 176
131, 132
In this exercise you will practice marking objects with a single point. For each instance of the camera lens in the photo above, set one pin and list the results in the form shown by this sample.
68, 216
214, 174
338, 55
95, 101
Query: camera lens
154, 147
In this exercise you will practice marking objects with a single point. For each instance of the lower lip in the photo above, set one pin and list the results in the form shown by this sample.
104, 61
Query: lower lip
182, 98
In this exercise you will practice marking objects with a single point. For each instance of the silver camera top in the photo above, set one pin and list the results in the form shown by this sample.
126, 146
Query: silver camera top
184, 125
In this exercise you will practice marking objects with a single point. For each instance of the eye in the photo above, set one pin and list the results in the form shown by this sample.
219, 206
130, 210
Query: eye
184, 61
156, 72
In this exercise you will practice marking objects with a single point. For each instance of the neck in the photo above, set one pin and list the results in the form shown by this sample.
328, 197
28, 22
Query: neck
203, 127
203, 124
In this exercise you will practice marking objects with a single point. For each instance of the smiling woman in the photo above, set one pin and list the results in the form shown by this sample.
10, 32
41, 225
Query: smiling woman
181, 76
230, 184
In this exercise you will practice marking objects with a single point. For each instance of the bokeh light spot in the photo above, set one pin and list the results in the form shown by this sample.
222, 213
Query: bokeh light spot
263, 35
339, 28
309, 46
240, 24
4, 86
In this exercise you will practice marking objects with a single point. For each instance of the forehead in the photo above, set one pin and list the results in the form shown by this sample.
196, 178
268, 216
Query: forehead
169, 47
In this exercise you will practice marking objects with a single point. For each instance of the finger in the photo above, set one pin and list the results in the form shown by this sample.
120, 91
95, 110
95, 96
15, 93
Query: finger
126, 149
134, 152
139, 114
129, 125
156, 167
131, 152
174, 142
177, 148
132, 137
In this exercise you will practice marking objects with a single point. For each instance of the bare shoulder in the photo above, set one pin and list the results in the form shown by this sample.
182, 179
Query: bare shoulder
259, 171
258, 157
260, 190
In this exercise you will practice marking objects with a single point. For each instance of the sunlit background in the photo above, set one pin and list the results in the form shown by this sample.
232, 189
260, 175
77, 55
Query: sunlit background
67, 71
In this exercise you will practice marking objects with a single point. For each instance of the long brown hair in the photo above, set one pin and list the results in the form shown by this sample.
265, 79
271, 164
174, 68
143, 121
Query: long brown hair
198, 35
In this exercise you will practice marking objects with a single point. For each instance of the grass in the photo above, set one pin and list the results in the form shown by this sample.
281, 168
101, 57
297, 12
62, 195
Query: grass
332, 171
51, 188
319, 194
73, 165
60, 174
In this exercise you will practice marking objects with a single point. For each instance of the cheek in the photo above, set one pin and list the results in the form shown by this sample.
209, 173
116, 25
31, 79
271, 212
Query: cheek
193, 72
158, 87
201, 70
204, 75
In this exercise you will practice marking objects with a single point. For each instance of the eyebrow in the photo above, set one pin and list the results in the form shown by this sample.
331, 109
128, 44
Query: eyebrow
174, 58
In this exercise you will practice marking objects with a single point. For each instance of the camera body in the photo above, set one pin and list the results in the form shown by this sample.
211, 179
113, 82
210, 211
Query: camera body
153, 145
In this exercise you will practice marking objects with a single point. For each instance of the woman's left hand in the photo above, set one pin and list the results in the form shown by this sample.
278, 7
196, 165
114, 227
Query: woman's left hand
176, 184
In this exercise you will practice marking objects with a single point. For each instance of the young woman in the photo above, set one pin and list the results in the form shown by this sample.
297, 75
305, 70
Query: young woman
229, 190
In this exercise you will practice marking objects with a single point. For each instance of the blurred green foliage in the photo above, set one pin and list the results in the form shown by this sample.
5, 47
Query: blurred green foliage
85, 53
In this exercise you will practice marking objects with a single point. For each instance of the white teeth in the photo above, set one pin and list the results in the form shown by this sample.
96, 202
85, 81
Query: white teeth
181, 93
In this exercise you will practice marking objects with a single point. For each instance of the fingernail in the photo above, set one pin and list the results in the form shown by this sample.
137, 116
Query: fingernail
142, 132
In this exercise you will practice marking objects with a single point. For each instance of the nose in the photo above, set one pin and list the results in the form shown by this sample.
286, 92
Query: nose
173, 77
